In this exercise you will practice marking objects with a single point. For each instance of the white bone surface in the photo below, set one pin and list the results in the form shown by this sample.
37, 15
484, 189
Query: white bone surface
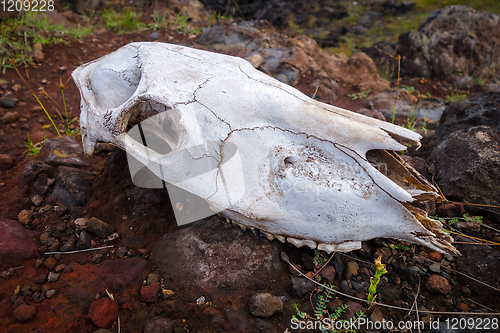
259, 151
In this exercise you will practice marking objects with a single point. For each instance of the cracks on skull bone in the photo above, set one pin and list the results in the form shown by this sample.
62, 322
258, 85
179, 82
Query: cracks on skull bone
200, 86
138, 57
124, 77
307, 101
185, 55
274, 86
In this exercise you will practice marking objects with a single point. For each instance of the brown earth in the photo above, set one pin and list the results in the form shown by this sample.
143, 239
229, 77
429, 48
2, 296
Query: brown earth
82, 281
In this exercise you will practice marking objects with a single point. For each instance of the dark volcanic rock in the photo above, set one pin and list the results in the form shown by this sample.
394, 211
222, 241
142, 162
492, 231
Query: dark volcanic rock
452, 39
98, 227
468, 166
72, 187
238, 322
34, 172
8, 102
466, 151
17, 244
214, 254
477, 110
482, 264
63, 151
302, 286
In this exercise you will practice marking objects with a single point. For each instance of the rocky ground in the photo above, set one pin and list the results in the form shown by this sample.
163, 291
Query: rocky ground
149, 275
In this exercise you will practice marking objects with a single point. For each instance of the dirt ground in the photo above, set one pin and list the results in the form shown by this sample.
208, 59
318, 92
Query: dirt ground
64, 315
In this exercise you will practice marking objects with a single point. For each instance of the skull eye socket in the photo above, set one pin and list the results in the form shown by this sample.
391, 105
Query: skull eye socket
112, 88
156, 126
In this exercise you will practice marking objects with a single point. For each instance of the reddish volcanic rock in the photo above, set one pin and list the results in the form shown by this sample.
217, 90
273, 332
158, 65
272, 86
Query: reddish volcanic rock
17, 244
149, 294
435, 256
24, 312
454, 209
103, 312
438, 285
121, 273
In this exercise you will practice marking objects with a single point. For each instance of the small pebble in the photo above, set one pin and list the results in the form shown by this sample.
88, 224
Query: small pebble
38, 262
26, 290
152, 278
167, 293
97, 258
435, 268
50, 263
37, 200
10, 117
154, 35
41, 278
38, 56
53, 277
9, 102
59, 268
121, 252
24, 312
51, 293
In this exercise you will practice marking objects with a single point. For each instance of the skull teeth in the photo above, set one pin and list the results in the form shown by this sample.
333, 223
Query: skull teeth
301, 242
326, 247
329, 248
268, 235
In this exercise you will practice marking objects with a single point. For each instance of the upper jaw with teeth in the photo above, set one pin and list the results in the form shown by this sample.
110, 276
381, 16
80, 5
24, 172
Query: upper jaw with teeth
259, 151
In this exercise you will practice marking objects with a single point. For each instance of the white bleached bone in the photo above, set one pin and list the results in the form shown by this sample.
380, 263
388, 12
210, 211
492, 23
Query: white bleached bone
258, 151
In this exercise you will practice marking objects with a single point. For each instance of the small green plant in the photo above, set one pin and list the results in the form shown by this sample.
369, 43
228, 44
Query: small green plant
399, 246
478, 80
477, 219
455, 97
424, 126
329, 320
318, 259
159, 22
20, 33
467, 218
122, 22
411, 122
374, 281
410, 89
320, 309
360, 95
34, 149
181, 24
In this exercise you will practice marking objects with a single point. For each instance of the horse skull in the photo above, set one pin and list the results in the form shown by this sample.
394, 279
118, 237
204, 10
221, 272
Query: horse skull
258, 151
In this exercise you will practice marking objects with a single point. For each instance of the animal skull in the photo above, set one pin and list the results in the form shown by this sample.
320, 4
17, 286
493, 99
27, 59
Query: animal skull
258, 151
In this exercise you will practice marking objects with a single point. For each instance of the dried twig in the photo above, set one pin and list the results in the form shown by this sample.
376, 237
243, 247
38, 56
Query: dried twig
78, 251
